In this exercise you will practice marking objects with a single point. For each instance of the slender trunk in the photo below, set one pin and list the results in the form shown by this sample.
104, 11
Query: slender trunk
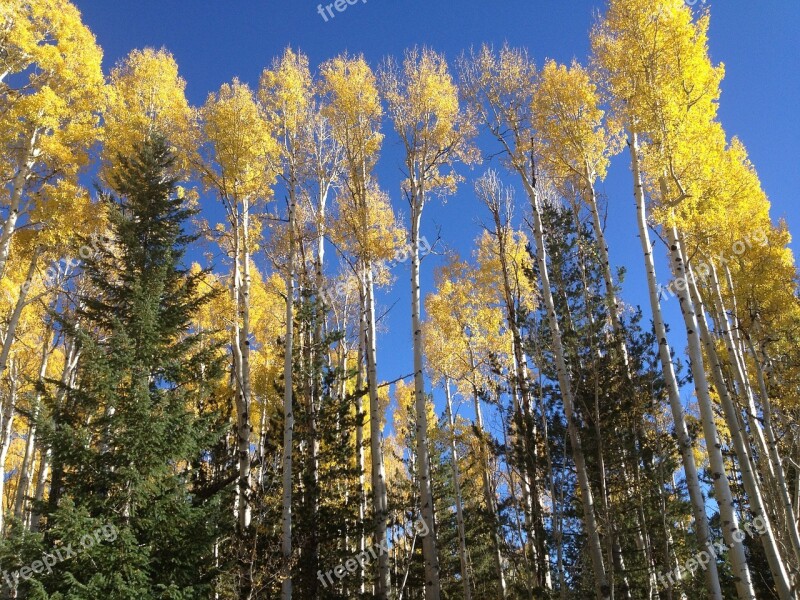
13, 322
429, 551
245, 429
68, 375
489, 497
379, 496
242, 505
26, 470
41, 484
6, 429
288, 410
729, 518
786, 499
685, 444
768, 448
362, 498
462, 538
694, 314
26, 164
602, 589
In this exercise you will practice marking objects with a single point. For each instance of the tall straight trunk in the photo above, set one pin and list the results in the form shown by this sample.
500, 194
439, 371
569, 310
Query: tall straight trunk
362, 497
791, 524
26, 469
694, 315
462, 538
489, 497
379, 496
245, 429
685, 445
32, 517
27, 161
242, 506
729, 518
612, 305
429, 551
768, 448
602, 589
6, 430
68, 375
288, 409
13, 321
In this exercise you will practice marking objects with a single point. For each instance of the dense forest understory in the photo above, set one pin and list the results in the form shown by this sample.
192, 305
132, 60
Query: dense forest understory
191, 324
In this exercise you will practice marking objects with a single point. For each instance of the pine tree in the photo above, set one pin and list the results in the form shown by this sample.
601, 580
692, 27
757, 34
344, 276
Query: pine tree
130, 437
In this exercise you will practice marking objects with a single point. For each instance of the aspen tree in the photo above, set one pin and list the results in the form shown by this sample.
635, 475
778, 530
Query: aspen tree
500, 88
435, 133
238, 151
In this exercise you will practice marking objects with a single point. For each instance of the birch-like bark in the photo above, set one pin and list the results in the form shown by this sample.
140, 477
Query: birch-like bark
288, 409
362, 497
26, 469
729, 517
768, 448
792, 524
462, 538
13, 321
685, 444
694, 315
27, 161
242, 505
429, 551
602, 588
246, 400
379, 496
6, 429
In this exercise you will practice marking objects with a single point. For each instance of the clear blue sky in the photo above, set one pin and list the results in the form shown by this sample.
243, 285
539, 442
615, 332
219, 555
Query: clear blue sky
215, 40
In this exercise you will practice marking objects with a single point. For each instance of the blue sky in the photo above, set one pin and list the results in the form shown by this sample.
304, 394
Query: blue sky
214, 41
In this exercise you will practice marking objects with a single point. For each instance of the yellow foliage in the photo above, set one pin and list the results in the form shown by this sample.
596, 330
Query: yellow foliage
424, 108
146, 96
51, 85
239, 147
576, 139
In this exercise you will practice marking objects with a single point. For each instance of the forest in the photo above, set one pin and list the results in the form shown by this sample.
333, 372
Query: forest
191, 324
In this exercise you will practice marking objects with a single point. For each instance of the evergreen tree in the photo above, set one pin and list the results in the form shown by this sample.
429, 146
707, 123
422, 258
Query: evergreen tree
130, 438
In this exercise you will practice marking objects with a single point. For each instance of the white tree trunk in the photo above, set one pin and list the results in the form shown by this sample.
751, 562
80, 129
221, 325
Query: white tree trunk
379, 495
602, 589
246, 430
6, 429
768, 448
26, 469
26, 163
729, 518
362, 497
694, 314
22, 301
429, 551
462, 538
685, 444
288, 411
